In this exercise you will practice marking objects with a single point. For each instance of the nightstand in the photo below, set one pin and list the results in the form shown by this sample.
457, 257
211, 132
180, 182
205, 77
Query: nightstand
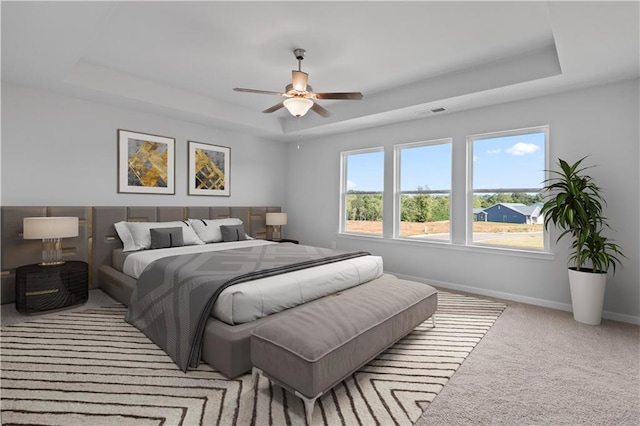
286, 240
47, 288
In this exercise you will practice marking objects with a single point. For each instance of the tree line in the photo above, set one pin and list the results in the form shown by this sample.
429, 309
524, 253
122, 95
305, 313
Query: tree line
425, 207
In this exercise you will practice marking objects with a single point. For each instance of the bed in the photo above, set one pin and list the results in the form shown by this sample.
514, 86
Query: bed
240, 308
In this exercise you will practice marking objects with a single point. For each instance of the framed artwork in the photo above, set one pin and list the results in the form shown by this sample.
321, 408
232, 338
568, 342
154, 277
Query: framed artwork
209, 167
146, 163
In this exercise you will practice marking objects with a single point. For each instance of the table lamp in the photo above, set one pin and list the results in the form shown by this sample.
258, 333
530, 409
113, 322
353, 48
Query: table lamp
50, 230
276, 220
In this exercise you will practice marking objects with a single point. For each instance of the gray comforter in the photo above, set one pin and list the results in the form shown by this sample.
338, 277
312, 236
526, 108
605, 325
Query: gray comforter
174, 295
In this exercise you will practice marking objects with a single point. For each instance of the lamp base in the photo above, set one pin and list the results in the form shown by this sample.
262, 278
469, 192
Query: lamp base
51, 252
275, 236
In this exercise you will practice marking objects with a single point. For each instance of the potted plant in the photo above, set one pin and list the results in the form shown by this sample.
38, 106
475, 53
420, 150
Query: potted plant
574, 204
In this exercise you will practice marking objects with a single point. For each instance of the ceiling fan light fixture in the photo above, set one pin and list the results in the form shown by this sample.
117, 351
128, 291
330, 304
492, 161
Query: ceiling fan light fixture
298, 106
300, 95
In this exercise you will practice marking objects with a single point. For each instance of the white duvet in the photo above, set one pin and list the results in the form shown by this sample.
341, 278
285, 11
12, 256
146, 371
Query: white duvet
255, 299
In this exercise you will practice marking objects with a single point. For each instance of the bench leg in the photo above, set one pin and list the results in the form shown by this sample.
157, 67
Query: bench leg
255, 375
309, 404
433, 320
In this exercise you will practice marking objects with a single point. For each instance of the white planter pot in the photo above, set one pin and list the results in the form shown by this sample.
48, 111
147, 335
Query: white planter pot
587, 295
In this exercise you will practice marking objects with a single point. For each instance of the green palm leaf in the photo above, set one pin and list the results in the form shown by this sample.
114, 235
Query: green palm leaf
574, 204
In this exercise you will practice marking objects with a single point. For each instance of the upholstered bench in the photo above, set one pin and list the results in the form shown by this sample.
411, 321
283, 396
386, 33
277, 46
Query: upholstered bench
314, 348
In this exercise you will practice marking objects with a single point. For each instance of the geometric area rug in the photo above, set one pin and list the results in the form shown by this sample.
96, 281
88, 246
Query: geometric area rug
92, 368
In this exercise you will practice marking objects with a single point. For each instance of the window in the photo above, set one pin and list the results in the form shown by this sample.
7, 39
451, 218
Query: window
423, 190
507, 174
362, 190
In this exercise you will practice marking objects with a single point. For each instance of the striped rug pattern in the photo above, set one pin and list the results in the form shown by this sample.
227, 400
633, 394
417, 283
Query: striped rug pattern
92, 368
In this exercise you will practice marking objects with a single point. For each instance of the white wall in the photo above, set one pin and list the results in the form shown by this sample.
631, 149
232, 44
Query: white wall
62, 151
601, 122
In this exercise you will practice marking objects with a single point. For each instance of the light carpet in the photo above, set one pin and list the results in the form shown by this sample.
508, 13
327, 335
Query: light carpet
91, 367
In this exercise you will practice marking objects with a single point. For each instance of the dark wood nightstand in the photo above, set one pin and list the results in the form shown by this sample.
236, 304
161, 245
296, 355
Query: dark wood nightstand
286, 240
47, 288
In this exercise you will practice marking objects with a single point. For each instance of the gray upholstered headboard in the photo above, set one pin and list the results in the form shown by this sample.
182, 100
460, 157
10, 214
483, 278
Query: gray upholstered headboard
97, 236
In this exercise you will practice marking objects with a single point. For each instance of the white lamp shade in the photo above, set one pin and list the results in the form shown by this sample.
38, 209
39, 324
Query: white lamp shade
49, 227
298, 106
276, 218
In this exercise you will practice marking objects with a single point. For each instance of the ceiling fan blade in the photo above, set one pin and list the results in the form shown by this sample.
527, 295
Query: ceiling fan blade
343, 95
274, 108
299, 80
320, 110
262, 92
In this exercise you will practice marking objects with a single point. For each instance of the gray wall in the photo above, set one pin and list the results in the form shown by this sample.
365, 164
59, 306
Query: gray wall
601, 122
61, 151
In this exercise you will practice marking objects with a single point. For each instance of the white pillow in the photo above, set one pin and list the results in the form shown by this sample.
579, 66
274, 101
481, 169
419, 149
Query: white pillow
137, 235
209, 229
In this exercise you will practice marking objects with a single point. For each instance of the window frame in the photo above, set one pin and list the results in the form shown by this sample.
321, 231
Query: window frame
344, 192
471, 191
397, 192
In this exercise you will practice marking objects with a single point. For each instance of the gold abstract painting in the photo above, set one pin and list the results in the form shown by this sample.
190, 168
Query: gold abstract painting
208, 169
146, 163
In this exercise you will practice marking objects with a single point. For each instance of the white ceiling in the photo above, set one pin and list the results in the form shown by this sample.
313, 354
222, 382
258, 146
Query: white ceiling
182, 59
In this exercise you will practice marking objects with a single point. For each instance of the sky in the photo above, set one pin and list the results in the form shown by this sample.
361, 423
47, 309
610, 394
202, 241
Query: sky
503, 162
509, 162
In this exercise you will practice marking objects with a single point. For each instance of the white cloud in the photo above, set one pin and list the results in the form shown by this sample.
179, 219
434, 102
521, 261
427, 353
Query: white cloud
351, 185
523, 148
494, 151
475, 157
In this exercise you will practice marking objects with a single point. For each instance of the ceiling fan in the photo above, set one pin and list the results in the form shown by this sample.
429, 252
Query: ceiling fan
300, 95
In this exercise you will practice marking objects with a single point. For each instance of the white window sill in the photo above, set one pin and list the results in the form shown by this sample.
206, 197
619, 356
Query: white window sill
445, 245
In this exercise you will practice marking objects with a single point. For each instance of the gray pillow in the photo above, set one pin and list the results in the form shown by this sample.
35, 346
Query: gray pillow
233, 233
166, 237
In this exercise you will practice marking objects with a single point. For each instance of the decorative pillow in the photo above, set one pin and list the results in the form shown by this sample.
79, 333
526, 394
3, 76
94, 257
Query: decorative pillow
137, 235
209, 229
233, 233
166, 237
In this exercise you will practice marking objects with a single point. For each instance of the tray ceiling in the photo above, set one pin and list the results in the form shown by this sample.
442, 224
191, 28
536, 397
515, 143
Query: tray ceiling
182, 59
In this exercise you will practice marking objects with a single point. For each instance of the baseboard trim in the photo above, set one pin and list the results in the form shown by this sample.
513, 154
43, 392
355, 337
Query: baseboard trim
615, 316
621, 317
